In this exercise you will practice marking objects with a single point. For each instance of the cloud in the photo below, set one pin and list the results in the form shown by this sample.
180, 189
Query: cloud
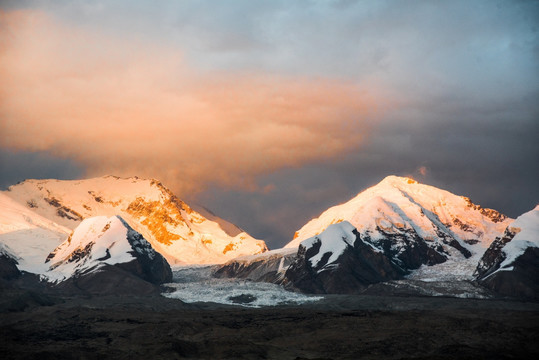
129, 107
305, 102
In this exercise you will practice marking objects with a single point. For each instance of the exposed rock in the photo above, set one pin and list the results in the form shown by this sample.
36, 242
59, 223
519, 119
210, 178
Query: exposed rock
492, 214
338, 261
510, 266
522, 281
408, 249
494, 256
8, 268
269, 266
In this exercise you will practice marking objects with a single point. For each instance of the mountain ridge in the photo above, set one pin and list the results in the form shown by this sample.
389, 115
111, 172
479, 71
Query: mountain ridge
181, 234
414, 223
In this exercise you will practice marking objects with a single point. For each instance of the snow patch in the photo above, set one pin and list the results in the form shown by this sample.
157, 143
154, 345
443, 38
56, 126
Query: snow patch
334, 240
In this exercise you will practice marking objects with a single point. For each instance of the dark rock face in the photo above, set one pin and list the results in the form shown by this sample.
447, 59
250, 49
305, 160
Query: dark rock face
264, 268
493, 256
8, 268
149, 265
520, 281
356, 268
408, 249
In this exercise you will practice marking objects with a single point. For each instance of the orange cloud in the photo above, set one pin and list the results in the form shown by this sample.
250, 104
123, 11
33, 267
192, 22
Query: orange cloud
127, 107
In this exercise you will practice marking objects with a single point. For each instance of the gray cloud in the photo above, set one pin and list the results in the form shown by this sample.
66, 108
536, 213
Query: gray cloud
495, 166
18, 166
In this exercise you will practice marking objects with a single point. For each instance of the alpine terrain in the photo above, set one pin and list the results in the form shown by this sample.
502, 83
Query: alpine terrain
412, 223
180, 234
405, 236
510, 266
28, 236
338, 261
105, 255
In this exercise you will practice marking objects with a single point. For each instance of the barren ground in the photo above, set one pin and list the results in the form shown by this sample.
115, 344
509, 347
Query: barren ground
339, 327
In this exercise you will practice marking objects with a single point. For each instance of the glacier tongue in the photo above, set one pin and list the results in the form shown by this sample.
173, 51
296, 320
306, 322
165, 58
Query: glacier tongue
196, 284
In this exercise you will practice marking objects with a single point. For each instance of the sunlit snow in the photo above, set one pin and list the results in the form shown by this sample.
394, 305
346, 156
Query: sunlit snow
527, 228
333, 240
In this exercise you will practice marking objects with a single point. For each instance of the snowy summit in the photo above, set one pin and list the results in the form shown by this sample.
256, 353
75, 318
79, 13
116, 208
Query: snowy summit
412, 223
181, 234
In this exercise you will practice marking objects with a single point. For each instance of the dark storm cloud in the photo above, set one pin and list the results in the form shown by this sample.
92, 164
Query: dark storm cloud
495, 166
18, 166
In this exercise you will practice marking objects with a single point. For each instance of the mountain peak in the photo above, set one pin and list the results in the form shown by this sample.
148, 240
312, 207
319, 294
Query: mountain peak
182, 235
417, 223
398, 180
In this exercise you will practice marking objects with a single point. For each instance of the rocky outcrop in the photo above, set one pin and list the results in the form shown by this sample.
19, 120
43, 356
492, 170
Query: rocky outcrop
494, 255
408, 249
510, 266
338, 261
268, 267
8, 266
522, 281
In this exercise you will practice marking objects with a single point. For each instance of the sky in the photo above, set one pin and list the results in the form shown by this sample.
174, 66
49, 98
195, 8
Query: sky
269, 112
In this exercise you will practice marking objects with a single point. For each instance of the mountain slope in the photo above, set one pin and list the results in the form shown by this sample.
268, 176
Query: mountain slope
414, 224
269, 266
338, 261
28, 236
510, 266
106, 250
179, 233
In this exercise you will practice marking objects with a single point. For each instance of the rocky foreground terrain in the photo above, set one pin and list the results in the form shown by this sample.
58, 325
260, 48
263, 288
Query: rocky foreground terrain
42, 326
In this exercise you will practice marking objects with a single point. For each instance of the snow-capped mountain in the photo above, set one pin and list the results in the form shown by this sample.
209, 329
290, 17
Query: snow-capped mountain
338, 261
510, 265
100, 243
173, 228
414, 224
28, 236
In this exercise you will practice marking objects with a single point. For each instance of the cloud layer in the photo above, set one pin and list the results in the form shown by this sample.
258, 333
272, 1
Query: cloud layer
132, 107
268, 112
